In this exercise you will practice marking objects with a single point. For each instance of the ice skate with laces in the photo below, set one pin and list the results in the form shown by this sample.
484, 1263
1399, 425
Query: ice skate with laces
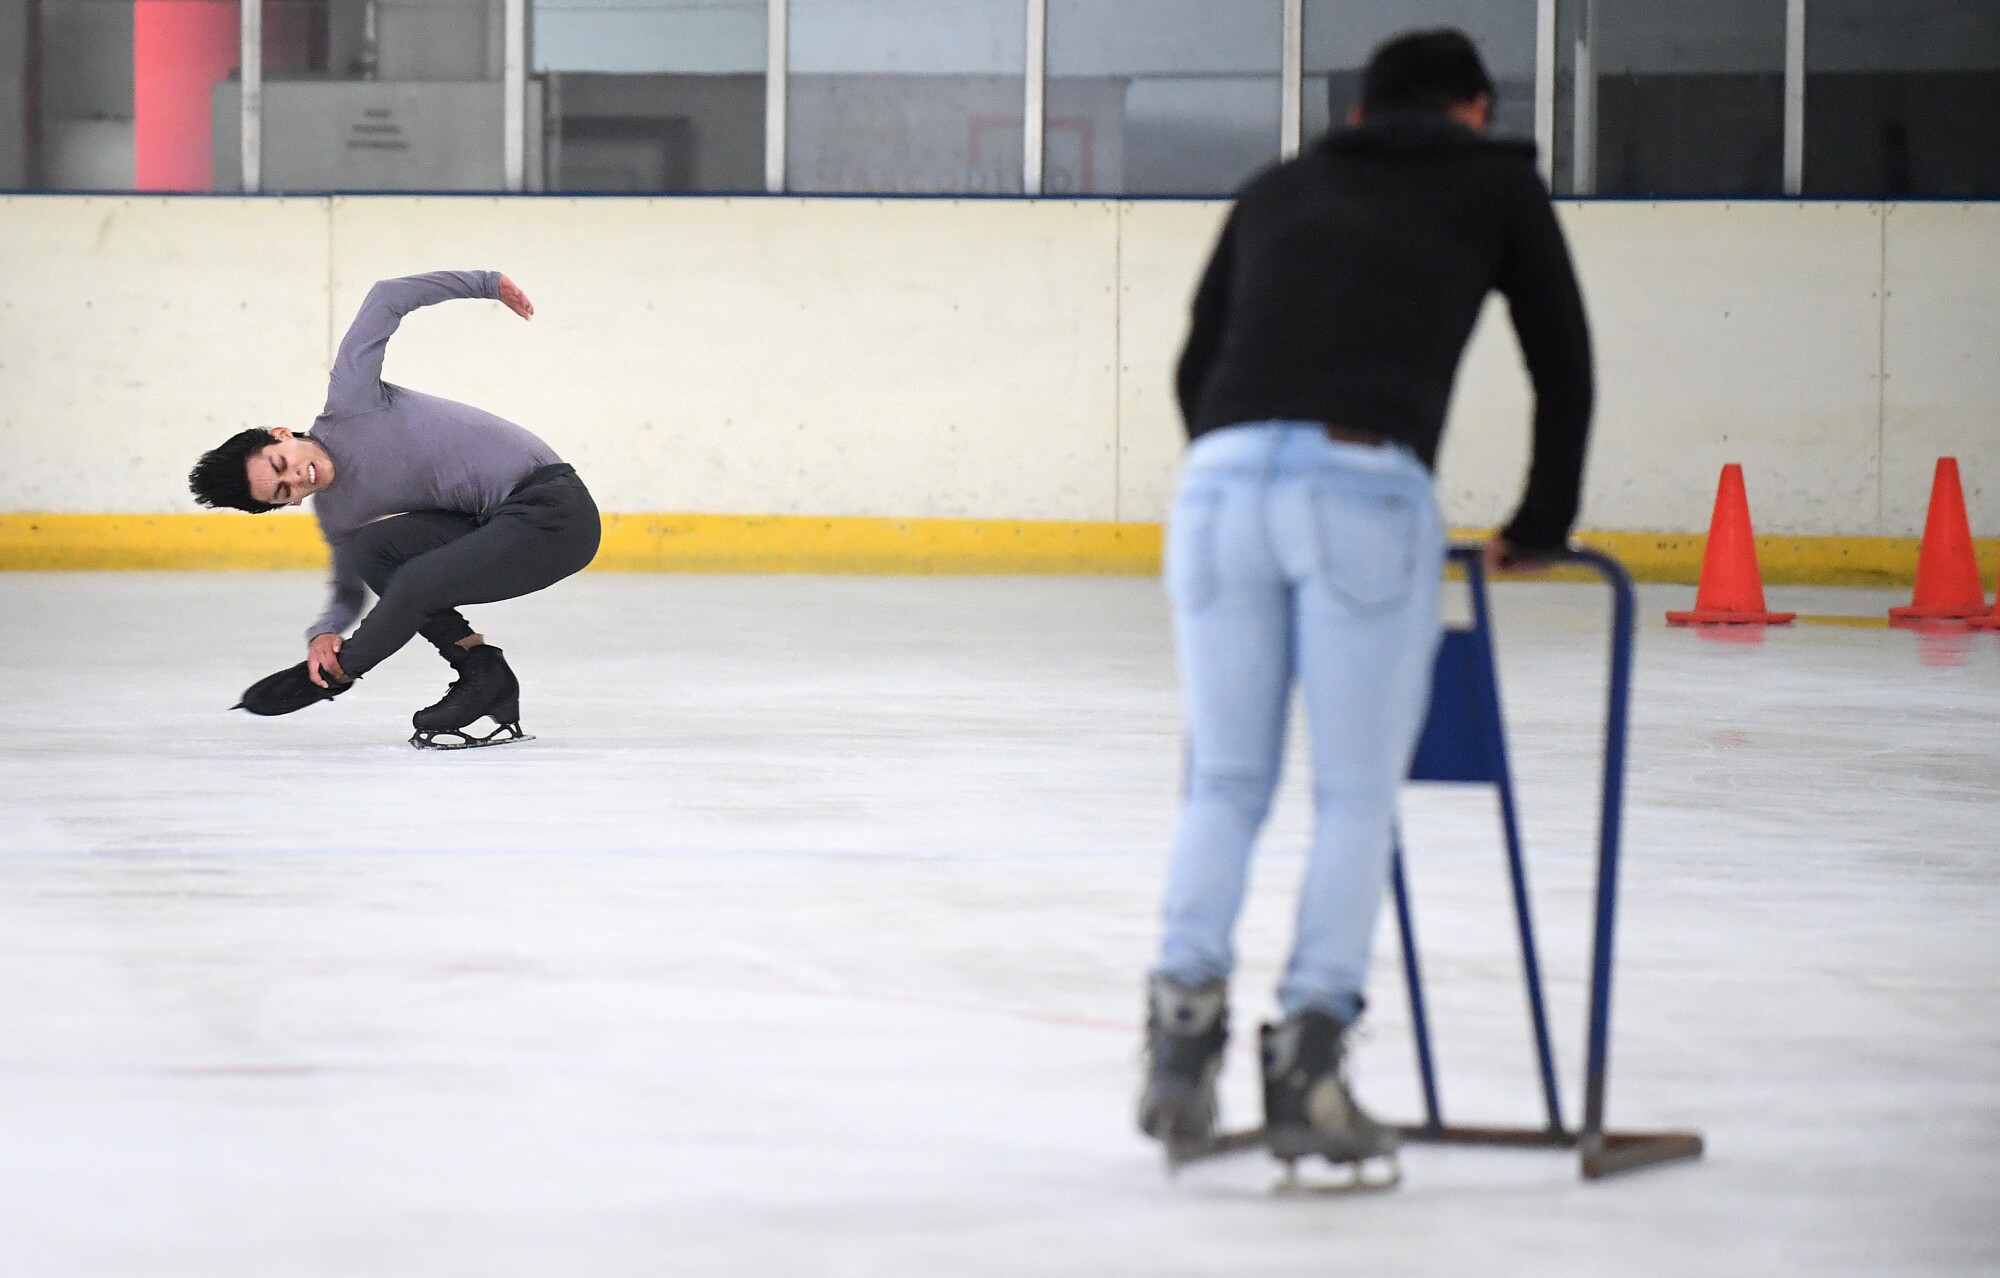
485, 689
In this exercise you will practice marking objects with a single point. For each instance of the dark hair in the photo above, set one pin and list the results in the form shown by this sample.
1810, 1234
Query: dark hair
222, 476
1424, 71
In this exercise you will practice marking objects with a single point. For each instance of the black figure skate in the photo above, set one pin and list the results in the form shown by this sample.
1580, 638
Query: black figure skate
1186, 1029
485, 688
288, 690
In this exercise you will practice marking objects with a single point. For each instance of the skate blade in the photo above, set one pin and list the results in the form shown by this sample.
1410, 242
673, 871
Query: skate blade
1363, 1177
1184, 1153
457, 739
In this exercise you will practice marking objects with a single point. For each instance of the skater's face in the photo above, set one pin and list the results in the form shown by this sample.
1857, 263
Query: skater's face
289, 470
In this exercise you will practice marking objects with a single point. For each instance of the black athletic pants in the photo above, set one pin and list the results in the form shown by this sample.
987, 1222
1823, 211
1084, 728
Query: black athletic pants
427, 564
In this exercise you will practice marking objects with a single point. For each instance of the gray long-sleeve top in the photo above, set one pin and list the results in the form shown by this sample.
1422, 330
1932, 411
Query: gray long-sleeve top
395, 450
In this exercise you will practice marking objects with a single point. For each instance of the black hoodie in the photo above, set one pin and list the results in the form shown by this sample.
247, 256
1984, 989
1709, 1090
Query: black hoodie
1345, 288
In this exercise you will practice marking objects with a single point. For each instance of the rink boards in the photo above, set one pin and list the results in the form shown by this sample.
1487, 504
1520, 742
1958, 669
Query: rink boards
959, 385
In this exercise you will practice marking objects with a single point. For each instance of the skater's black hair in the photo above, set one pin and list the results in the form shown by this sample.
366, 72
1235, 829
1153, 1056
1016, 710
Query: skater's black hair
222, 476
1425, 71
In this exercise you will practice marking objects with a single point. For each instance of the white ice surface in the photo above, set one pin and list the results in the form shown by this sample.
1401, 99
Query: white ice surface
807, 940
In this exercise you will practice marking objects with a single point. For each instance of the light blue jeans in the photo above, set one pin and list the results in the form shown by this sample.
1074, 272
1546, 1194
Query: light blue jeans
1291, 556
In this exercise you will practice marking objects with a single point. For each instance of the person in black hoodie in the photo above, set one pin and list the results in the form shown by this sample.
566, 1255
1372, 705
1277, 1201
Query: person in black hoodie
1306, 544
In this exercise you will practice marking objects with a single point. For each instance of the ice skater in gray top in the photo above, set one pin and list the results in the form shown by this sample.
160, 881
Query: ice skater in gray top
430, 503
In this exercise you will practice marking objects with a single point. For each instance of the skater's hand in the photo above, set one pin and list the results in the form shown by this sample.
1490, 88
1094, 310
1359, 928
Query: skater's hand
320, 656
1503, 560
515, 300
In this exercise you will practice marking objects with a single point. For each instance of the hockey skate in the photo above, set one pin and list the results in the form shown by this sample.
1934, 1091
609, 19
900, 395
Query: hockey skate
1309, 1111
485, 688
1186, 1029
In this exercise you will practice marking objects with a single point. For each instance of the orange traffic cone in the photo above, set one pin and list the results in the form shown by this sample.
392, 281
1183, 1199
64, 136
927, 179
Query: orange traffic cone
1991, 621
1948, 586
1731, 590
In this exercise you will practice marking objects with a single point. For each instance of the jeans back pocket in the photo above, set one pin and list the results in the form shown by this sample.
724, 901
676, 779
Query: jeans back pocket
1367, 547
1193, 577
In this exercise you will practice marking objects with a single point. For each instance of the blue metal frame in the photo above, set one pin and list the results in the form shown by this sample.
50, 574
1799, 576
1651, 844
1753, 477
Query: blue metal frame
1464, 741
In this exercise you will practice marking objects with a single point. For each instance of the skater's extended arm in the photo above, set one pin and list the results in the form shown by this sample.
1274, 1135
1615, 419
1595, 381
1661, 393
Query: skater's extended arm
1539, 283
355, 384
343, 609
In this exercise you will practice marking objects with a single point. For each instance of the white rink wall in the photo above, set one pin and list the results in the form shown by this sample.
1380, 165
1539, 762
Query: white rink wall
992, 359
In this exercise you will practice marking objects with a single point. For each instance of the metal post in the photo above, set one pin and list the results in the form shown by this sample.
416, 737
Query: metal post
1413, 984
1545, 88
552, 131
777, 69
1618, 697
1795, 96
514, 95
371, 40
1510, 826
250, 129
1291, 80
1034, 98
1583, 119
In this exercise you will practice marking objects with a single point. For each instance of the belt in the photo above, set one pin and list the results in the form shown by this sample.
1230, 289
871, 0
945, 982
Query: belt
1342, 434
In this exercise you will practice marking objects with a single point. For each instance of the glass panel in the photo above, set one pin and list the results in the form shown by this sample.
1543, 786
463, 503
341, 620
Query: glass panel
80, 135
1690, 96
920, 96
653, 95
1161, 97
1903, 99
1340, 35
375, 95
136, 94
20, 125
